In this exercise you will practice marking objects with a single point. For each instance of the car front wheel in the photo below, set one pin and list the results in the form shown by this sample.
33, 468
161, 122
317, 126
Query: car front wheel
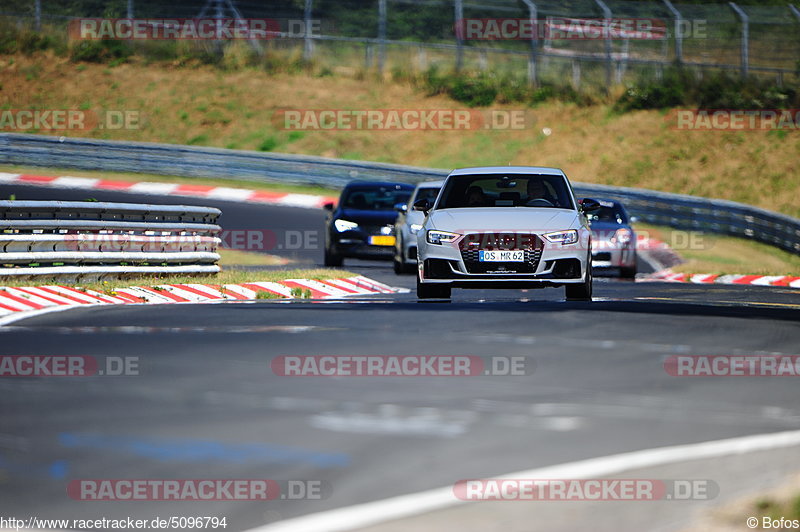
432, 291
332, 260
582, 291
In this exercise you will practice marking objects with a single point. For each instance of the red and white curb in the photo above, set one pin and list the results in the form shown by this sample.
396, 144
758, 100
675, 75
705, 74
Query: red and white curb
245, 195
29, 299
710, 278
667, 275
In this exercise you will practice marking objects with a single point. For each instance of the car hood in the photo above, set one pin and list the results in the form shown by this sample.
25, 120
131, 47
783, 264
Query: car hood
368, 217
529, 219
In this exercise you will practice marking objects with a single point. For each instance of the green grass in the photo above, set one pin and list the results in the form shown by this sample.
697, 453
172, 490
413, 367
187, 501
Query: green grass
206, 105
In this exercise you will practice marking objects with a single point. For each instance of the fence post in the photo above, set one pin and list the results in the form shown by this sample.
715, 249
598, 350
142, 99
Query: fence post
38, 12
607, 38
381, 35
678, 31
576, 74
308, 44
130, 8
459, 21
745, 37
533, 74
795, 12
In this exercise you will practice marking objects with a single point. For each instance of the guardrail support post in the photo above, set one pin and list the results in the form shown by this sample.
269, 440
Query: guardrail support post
745, 37
678, 31
607, 38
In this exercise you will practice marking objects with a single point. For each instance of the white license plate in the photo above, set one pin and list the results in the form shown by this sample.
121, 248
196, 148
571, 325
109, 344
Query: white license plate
502, 256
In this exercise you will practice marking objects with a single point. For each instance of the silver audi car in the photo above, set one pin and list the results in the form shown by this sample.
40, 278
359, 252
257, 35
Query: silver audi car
505, 227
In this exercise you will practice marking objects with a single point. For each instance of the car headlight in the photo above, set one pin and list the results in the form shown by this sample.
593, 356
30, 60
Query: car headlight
344, 225
415, 228
562, 237
441, 237
623, 236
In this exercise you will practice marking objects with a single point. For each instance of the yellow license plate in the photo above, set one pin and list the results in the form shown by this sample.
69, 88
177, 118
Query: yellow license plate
381, 240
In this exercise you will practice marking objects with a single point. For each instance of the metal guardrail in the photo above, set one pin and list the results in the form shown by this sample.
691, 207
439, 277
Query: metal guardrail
673, 210
97, 239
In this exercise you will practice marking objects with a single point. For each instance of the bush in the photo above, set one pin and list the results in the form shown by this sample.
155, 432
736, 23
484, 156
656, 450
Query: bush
718, 90
480, 91
99, 51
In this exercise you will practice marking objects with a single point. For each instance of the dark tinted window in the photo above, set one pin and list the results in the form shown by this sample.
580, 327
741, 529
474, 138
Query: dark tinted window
498, 190
609, 212
427, 193
375, 198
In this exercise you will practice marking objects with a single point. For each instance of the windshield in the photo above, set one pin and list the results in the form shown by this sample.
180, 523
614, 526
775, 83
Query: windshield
609, 212
375, 198
499, 190
427, 193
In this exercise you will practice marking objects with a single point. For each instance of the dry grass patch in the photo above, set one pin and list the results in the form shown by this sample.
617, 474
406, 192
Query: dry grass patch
205, 106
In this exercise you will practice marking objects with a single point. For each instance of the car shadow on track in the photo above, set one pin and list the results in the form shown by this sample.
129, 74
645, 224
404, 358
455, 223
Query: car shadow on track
671, 308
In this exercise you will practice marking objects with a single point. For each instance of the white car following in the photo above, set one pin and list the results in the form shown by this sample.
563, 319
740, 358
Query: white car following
505, 227
408, 224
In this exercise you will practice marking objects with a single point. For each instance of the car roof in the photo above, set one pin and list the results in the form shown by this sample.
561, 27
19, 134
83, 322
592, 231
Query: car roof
540, 170
379, 184
431, 184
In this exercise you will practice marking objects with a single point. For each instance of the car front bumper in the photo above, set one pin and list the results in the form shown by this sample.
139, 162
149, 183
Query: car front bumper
606, 254
555, 265
356, 244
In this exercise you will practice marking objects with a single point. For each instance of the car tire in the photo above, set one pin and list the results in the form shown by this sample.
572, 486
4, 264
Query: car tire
398, 266
401, 268
332, 260
432, 291
628, 273
582, 291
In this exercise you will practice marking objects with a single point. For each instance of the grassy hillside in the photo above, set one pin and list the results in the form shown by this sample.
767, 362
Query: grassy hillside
206, 106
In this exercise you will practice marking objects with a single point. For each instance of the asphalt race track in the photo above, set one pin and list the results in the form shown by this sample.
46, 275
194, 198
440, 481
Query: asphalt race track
206, 403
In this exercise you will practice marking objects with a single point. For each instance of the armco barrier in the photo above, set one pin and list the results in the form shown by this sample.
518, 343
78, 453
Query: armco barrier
95, 239
674, 210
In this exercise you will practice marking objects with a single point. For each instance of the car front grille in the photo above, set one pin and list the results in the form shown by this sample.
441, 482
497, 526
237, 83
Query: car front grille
472, 246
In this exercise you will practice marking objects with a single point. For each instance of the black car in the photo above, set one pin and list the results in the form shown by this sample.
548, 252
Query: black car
362, 224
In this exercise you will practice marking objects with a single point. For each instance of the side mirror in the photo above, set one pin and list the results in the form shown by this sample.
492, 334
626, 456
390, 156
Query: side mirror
422, 205
589, 204
328, 206
401, 207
